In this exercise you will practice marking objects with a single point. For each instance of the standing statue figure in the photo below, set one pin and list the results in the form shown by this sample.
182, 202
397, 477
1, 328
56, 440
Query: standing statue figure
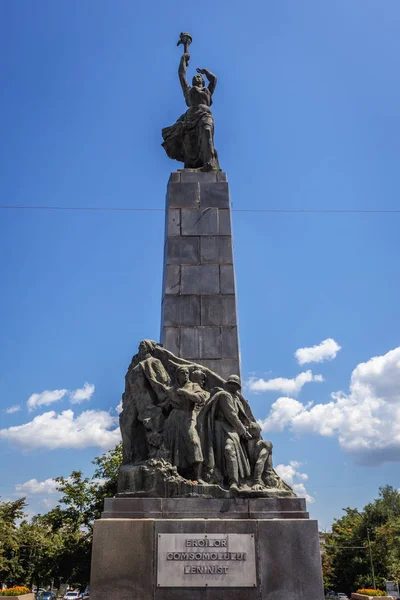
191, 139
224, 429
147, 384
181, 440
198, 376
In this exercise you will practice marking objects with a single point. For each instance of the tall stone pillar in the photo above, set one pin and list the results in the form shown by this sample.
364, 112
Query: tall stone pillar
199, 321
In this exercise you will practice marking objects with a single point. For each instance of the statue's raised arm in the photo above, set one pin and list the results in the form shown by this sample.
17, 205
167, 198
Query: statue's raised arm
191, 139
212, 79
182, 77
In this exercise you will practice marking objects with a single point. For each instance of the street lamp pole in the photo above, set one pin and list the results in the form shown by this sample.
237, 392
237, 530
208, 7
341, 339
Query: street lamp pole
370, 558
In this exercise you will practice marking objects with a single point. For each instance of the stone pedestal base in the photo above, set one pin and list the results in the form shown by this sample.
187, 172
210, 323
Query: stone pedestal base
140, 481
204, 508
125, 550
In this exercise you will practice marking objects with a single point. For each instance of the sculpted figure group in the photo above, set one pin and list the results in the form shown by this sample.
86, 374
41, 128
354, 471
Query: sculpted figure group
194, 420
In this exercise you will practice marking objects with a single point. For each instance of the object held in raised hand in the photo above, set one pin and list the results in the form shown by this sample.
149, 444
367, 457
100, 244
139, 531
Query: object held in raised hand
185, 39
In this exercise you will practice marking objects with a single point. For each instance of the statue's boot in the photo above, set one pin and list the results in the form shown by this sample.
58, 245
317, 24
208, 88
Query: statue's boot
232, 469
197, 472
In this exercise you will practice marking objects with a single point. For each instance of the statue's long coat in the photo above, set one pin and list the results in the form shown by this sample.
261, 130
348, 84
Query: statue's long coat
223, 418
180, 434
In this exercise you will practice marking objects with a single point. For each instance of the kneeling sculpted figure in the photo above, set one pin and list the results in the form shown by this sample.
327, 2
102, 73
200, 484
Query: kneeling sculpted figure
224, 428
234, 451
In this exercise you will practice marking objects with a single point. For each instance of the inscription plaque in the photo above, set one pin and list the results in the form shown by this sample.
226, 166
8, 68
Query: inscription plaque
206, 560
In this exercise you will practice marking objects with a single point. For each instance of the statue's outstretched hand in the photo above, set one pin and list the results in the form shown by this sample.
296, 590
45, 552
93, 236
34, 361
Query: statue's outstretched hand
247, 435
255, 429
201, 71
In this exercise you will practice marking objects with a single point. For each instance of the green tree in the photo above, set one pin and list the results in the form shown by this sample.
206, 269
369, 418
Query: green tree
10, 564
57, 545
81, 503
72, 520
78, 498
327, 570
39, 552
359, 536
106, 476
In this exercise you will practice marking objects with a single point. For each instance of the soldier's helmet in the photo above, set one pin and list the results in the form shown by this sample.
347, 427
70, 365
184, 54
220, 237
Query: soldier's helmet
234, 379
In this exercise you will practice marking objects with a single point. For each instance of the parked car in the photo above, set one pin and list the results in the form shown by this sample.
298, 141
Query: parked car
37, 591
71, 596
47, 595
342, 596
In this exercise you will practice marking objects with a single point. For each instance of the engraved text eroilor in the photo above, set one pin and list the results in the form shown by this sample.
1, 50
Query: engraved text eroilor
201, 560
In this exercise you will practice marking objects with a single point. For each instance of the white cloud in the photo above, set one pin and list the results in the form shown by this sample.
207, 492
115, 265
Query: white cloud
119, 407
366, 421
45, 398
300, 490
326, 350
287, 386
82, 394
44, 495
46, 490
51, 431
13, 409
99, 481
295, 479
33, 487
49, 503
282, 414
50, 396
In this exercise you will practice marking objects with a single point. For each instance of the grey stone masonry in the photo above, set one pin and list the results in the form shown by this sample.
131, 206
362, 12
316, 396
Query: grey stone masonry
126, 555
199, 319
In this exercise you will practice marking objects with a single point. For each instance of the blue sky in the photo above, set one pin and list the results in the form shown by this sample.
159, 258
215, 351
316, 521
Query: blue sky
307, 113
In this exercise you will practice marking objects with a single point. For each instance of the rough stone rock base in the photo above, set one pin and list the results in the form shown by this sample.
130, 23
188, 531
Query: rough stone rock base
149, 481
124, 559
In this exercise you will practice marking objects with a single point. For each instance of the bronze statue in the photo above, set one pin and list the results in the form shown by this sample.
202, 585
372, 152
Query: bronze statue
181, 439
191, 139
224, 429
142, 420
186, 431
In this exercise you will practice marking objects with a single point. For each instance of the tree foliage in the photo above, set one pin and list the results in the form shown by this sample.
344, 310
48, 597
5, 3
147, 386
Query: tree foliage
361, 537
56, 547
10, 564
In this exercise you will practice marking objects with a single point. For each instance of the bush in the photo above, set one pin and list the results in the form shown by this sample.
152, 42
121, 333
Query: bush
17, 590
368, 592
